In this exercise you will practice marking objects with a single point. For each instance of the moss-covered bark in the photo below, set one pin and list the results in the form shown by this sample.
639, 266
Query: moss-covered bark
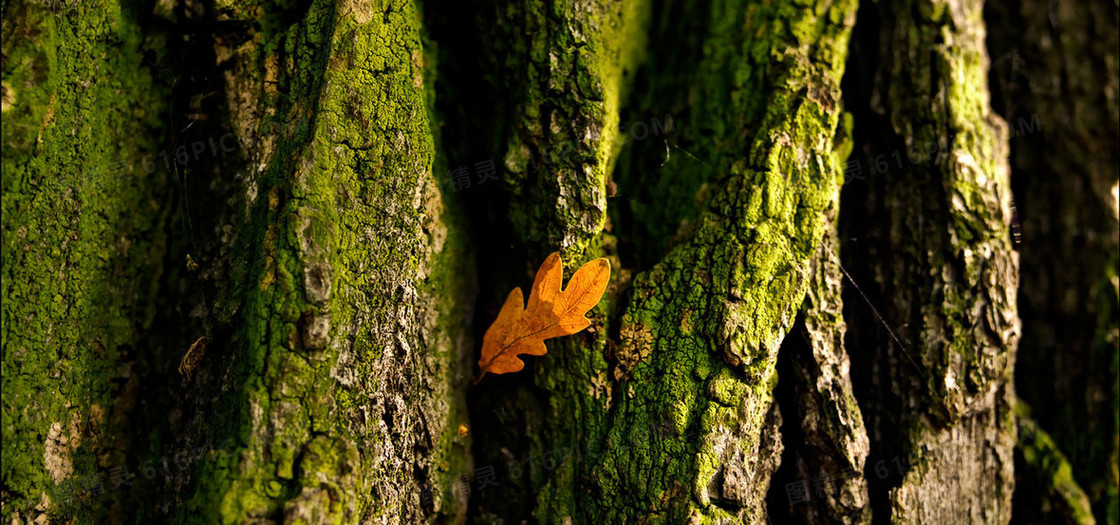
1065, 168
825, 440
1045, 488
285, 333
933, 230
568, 65
554, 76
347, 358
664, 419
82, 249
690, 433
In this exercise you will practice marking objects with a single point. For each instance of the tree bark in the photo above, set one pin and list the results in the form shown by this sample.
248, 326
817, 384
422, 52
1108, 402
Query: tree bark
937, 383
83, 234
345, 388
250, 249
1064, 161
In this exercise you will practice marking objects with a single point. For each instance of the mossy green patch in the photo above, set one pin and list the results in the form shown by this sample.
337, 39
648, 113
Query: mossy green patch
82, 239
1048, 468
356, 301
689, 378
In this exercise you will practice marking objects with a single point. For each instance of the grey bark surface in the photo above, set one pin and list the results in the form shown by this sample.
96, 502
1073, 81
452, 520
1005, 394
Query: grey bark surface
935, 229
829, 445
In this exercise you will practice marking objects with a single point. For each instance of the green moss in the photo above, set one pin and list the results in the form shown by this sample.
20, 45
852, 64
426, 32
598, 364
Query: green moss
688, 382
1048, 468
565, 71
82, 234
352, 240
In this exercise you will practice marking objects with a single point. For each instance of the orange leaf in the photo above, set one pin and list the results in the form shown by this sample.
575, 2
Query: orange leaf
551, 312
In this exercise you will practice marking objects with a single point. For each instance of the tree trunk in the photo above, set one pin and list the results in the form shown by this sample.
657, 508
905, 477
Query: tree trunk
938, 380
84, 234
1064, 161
250, 250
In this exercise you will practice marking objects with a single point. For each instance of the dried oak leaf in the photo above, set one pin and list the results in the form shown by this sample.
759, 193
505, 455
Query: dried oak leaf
551, 312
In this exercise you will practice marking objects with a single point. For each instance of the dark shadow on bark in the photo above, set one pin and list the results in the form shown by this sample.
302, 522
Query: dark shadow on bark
186, 413
858, 220
784, 495
659, 178
199, 156
1052, 80
188, 296
472, 109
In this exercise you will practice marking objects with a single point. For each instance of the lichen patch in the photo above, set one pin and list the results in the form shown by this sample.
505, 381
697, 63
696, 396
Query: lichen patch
61, 443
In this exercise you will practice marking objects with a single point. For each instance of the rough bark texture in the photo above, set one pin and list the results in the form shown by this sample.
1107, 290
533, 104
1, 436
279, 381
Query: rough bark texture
672, 418
1056, 78
329, 385
939, 397
555, 75
347, 384
827, 444
82, 250
284, 331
